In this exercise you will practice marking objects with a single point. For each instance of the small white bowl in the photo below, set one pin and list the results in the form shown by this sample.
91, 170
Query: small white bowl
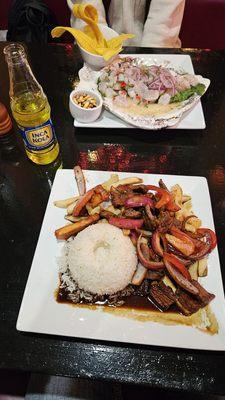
98, 62
85, 115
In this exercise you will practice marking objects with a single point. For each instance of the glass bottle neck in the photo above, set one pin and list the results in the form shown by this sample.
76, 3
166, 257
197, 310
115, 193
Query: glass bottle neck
21, 77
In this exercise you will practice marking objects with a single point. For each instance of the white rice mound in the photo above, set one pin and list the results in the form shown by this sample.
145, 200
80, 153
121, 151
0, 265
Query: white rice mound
101, 259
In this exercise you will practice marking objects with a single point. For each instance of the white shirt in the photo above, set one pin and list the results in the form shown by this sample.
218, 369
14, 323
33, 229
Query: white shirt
160, 29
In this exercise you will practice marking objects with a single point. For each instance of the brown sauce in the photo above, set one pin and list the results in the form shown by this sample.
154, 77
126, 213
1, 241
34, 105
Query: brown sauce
145, 303
139, 302
131, 302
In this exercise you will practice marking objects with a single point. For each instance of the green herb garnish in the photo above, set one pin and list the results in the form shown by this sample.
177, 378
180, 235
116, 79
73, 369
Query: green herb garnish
185, 94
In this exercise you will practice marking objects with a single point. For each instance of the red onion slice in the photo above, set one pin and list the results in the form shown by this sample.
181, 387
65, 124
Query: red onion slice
139, 201
125, 223
205, 249
147, 263
156, 245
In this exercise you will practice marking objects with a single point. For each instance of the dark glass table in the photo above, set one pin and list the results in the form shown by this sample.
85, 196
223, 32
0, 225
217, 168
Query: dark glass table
24, 191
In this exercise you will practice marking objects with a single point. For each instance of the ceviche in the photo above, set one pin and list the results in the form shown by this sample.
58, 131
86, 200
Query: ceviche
125, 78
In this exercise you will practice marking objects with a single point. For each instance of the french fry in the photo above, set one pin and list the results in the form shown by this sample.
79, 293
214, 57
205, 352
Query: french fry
92, 211
193, 224
96, 199
113, 210
128, 181
139, 275
66, 202
71, 207
177, 194
68, 230
112, 180
193, 269
185, 211
166, 280
71, 218
202, 267
185, 198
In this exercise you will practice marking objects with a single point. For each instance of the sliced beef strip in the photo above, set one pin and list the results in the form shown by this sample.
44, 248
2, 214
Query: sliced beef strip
187, 303
139, 189
203, 296
120, 297
177, 223
149, 219
162, 295
106, 214
122, 192
133, 188
118, 197
164, 221
149, 224
190, 304
132, 213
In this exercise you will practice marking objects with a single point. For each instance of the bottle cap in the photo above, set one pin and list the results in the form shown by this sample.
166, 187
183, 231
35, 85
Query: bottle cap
5, 120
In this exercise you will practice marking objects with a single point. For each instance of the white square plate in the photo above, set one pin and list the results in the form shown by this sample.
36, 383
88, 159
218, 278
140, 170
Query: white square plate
193, 119
40, 313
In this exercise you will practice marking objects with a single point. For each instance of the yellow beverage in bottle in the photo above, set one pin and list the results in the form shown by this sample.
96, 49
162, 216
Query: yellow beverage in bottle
34, 113
30, 108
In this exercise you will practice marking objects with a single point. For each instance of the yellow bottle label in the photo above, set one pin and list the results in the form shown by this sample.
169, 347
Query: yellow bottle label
39, 138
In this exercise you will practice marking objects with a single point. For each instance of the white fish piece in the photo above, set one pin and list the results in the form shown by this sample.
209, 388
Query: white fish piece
152, 95
182, 83
121, 100
192, 79
110, 92
141, 89
131, 92
102, 87
164, 99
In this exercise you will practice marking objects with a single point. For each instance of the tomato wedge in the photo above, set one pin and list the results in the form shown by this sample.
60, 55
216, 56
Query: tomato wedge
165, 200
165, 196
177, 264
212, 236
